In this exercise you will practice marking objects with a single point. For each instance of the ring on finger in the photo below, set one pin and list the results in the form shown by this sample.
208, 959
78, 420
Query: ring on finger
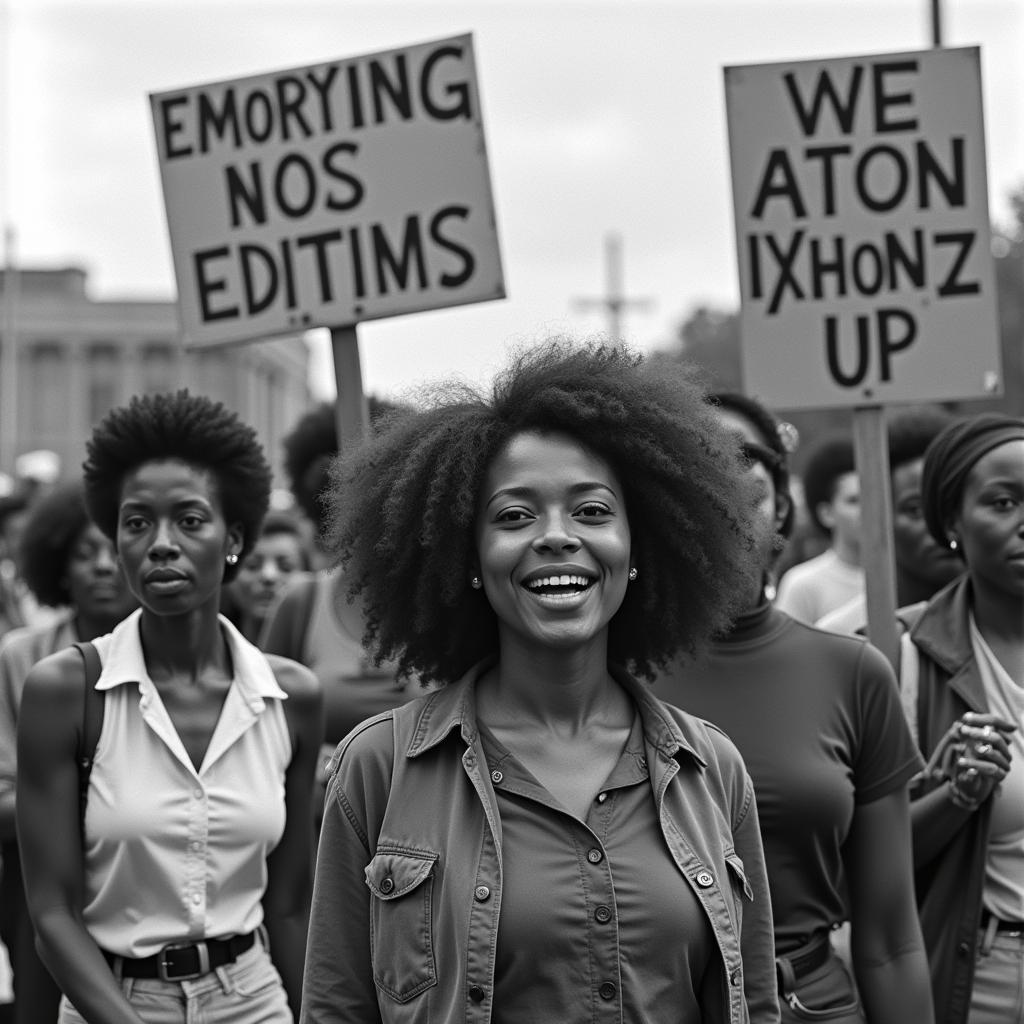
970, 774
982, 749
987, 732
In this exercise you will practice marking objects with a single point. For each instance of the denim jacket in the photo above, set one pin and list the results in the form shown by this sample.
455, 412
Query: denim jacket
407, 898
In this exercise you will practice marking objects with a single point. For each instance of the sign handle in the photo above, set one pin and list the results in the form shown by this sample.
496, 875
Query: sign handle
877, 555
351, 411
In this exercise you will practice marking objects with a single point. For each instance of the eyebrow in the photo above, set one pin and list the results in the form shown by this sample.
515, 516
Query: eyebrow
523, 491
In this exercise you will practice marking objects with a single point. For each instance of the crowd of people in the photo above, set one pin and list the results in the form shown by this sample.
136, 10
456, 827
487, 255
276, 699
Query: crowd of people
510, 717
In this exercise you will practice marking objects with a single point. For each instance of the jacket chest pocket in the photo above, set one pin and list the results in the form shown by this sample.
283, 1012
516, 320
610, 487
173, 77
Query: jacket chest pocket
401, 883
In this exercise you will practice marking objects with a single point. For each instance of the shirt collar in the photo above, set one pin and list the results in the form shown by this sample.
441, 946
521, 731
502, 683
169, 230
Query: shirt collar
454, 706
124, 662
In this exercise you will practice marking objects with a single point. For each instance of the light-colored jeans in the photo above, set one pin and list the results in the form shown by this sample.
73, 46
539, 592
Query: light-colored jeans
998, 993
249, 991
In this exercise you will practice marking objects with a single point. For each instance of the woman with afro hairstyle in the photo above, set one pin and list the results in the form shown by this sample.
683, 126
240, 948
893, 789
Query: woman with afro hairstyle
540, 838
69, 565
818, 721
157, 875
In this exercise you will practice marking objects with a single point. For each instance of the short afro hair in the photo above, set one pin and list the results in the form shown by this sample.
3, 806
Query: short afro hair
311, 445
776, 458
57, 519
832, 459
193, 429
910, 431
404, 506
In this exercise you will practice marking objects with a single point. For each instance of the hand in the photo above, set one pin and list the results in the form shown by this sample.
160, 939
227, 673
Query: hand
982, 757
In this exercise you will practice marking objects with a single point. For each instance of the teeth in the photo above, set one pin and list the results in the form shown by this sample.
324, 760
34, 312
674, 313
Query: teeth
559, 581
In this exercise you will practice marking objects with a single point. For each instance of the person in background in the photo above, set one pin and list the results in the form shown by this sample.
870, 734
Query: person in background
156, 888
963, 690
922, 566
280, 552
69, 565
816, 587
314, 623
541, 839
817, 719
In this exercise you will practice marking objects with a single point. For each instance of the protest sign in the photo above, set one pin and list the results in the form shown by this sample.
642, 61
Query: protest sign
862, 229
328, 195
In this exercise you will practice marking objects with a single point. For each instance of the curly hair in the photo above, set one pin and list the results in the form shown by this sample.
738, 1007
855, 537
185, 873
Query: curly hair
310, 447
404, 506
832, 459
194, 429
57, 519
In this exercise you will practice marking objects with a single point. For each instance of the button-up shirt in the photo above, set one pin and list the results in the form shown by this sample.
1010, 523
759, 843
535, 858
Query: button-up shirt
415, 880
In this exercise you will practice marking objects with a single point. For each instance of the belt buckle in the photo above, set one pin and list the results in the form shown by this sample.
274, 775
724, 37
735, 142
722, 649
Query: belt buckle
163, 968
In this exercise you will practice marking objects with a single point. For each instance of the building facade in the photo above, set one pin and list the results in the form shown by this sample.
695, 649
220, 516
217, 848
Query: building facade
73, 359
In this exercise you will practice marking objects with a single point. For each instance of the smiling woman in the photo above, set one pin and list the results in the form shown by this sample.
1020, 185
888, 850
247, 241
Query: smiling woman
157, 878
541, 839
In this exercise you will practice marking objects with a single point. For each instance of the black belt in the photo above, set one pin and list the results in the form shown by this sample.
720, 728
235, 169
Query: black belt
1001, 925
810, 957
184, 961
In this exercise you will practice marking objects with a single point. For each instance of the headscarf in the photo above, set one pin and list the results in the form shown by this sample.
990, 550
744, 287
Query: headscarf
949, 459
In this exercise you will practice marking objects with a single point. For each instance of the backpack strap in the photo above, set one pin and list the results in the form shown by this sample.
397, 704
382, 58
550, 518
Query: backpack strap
92, 721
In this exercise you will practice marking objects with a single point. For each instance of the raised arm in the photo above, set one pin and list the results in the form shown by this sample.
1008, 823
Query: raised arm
49, 834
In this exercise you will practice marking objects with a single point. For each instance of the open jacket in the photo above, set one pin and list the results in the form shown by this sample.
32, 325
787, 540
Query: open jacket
407, 899
949, 887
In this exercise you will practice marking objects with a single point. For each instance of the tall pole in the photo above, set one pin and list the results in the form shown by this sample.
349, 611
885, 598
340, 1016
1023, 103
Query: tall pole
936, 18
614, 302
9, 323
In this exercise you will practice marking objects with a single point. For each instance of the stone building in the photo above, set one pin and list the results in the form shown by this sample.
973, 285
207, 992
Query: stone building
77, 358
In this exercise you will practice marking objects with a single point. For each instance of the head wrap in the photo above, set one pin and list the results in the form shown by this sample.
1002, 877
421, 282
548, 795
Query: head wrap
949, 459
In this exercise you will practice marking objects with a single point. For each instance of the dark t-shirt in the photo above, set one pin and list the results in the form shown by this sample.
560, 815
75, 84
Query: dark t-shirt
818, 721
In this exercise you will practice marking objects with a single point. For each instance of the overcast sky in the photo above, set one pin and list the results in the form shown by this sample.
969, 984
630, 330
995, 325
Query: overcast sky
599, 117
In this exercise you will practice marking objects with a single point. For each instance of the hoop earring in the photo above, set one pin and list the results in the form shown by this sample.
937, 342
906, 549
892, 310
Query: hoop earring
231, 559
633, 574
476, 583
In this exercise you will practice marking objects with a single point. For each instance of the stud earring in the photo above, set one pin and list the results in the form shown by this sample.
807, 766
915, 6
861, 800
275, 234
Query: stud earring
476, 583
232, 559
633, 574
953, 544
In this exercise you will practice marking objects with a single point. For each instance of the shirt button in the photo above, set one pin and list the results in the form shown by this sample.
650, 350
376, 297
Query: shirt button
198, 794
601, 797
197, 899
496, 777
481, 893
602, 915
477, 994
705, 879
595, 856
387, 885
607, 991
197, 846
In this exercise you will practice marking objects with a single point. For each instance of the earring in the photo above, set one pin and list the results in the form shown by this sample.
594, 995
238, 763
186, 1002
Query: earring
476, 583
633, 574
232, 559
953, 544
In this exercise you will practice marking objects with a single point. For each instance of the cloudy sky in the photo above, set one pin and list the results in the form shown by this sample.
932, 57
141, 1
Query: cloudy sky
599, 117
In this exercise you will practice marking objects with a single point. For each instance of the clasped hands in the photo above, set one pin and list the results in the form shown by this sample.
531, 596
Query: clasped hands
974, 756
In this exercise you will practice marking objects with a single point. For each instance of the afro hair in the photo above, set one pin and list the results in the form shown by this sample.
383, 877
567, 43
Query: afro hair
57, 519
404, 506
194, 429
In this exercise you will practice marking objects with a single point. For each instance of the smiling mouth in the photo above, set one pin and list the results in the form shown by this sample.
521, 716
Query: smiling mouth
559, 586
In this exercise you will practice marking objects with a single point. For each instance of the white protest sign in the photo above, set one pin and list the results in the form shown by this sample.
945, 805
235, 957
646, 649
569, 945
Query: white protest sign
329, 194
862, 229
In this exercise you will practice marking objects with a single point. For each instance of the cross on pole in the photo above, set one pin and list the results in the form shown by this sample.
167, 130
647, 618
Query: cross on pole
613, 303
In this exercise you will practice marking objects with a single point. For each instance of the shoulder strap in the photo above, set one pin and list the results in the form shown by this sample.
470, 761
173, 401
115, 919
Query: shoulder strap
92, 720
301, 613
